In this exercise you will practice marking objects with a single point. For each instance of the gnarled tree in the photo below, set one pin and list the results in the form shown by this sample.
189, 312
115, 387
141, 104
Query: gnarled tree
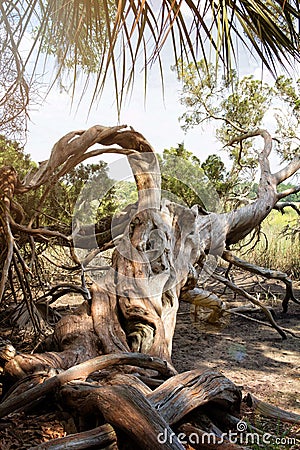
118, 343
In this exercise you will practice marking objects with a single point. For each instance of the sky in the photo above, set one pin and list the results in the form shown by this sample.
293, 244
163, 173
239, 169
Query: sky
156, 118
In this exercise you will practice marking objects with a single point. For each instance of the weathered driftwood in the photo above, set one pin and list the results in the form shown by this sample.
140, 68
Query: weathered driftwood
184, 392
268, 410
79, 371
128, 404
102, 437
129, 411
132, 310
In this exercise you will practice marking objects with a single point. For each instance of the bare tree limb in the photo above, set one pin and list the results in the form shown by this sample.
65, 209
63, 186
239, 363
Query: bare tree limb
252, 299
287, 192
281, 205
267, 273
287, 171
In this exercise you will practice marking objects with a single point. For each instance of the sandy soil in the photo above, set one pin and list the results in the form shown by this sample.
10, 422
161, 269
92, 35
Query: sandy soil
252, 355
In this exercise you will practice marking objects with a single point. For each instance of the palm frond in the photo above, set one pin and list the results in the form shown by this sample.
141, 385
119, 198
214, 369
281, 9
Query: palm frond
118, 37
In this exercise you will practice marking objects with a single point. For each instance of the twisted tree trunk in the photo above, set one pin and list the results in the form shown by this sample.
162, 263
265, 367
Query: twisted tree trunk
132, 311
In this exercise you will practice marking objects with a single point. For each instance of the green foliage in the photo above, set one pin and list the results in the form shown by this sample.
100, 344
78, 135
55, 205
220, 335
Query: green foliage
245, 107
12, 154
126, 194
214, 169
91, 180
276, 249
184, 181
88, 185
288, 116
239, 106
280, 188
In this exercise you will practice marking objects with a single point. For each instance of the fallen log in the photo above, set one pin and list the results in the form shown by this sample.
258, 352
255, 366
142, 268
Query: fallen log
268, 410
103, 437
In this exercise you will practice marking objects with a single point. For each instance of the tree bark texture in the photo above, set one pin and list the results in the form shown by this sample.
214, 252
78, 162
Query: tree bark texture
127, 323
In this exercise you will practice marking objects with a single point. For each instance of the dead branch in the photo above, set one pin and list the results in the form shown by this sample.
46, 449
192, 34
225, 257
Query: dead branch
252, 299
235, 312
281, 205
266, 273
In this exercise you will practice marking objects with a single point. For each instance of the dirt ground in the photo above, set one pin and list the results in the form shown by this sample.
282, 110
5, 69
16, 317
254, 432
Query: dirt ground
252, 355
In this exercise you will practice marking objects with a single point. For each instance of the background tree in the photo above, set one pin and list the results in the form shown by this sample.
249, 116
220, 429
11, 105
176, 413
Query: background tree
183, 176
60, 203
214, 169
13, 154
239, 105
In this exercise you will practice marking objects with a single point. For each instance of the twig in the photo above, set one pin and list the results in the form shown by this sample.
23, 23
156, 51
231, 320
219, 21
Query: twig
261, 322
252, 299
8, 259
267, 273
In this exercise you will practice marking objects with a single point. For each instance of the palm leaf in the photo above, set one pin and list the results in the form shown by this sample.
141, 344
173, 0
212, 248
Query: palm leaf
108, 37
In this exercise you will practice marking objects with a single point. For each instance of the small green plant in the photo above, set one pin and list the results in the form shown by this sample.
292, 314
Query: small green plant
275, 435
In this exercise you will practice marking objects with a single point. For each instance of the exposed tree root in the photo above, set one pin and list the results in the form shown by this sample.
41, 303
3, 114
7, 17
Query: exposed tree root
268, 410
81, 371
128, 320
129, 411
126, 403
